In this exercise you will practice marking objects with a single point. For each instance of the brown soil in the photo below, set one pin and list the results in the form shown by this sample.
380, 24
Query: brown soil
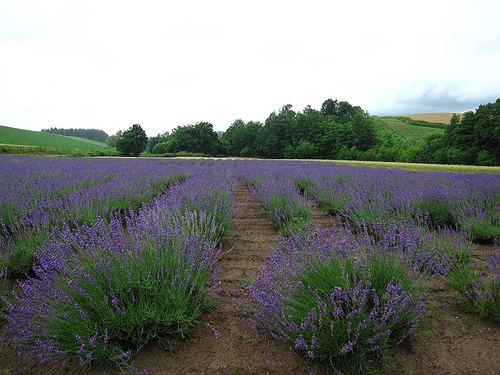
449, 340
440, 117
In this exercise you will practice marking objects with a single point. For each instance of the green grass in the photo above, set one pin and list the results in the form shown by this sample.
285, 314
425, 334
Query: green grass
411, 132
20, 137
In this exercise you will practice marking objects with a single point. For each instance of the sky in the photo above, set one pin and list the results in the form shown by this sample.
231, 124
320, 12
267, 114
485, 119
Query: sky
110, 64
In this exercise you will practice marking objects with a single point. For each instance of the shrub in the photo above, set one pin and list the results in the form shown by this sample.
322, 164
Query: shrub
484, 232
162, 148
98, 296
101, 292
339, 309
247, 152
482, 293
282, 202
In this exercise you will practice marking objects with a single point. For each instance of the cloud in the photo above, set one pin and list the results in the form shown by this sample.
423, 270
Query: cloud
432, 97
109, 64
442, 101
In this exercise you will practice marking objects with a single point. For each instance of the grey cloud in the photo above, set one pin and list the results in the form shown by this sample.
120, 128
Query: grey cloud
437, 101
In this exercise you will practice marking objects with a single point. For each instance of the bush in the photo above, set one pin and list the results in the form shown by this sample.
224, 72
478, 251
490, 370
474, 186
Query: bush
484, 232
438, 211
101, 292
282, 202
483, 294
339, 309
3, 285
162, 148
98, 296
365, 305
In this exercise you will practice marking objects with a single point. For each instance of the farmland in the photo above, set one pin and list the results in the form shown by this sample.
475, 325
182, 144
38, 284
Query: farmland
442, 117
247, 266
411, 132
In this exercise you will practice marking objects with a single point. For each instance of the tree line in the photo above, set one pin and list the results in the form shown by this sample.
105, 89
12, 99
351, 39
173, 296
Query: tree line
338, 130
92, 134
285, 134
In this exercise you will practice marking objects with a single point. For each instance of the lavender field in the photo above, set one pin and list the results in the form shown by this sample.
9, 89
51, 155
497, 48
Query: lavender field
113, 254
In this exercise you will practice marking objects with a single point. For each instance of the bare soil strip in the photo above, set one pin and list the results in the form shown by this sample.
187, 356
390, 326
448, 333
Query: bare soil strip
225, 342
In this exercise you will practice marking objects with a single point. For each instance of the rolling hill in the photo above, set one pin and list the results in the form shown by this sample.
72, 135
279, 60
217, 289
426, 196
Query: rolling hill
21, 137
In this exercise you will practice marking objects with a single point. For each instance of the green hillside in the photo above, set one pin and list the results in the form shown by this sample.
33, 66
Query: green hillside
410, 132
13, 136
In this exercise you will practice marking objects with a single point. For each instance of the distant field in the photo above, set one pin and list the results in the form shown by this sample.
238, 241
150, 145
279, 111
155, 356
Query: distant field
421, 166
13, 136
442, 117
412, 132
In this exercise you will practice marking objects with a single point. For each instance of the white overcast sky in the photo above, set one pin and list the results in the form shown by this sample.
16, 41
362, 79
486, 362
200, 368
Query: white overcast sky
110, 64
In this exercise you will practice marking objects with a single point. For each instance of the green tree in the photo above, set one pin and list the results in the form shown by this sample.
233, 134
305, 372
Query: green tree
162, 148
430, 150
197, 138
132, 142
477, 134
93, 134
308, 126
112, 139
241, 136
153, 141
364, 131
330, 107
276, 133
342, 112
306, 150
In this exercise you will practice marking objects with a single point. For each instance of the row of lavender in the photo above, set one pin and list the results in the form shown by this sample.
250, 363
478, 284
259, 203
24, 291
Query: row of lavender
372, 196
38, 194
346, 294
389, 204
42, 191
288, 210
101, 290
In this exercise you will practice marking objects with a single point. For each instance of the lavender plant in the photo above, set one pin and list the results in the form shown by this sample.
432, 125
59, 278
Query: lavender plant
430, 200
430, 252
209, 199
100, 293
281, 201
113, 298
336, 304
61, 189
3, 284
482, 293
39, 199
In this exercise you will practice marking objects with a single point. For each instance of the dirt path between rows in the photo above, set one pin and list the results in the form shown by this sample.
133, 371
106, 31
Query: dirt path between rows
238, 347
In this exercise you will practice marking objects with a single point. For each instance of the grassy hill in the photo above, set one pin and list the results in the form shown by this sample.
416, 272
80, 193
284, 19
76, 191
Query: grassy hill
417, 125
13, 136
20, 141
411, 132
